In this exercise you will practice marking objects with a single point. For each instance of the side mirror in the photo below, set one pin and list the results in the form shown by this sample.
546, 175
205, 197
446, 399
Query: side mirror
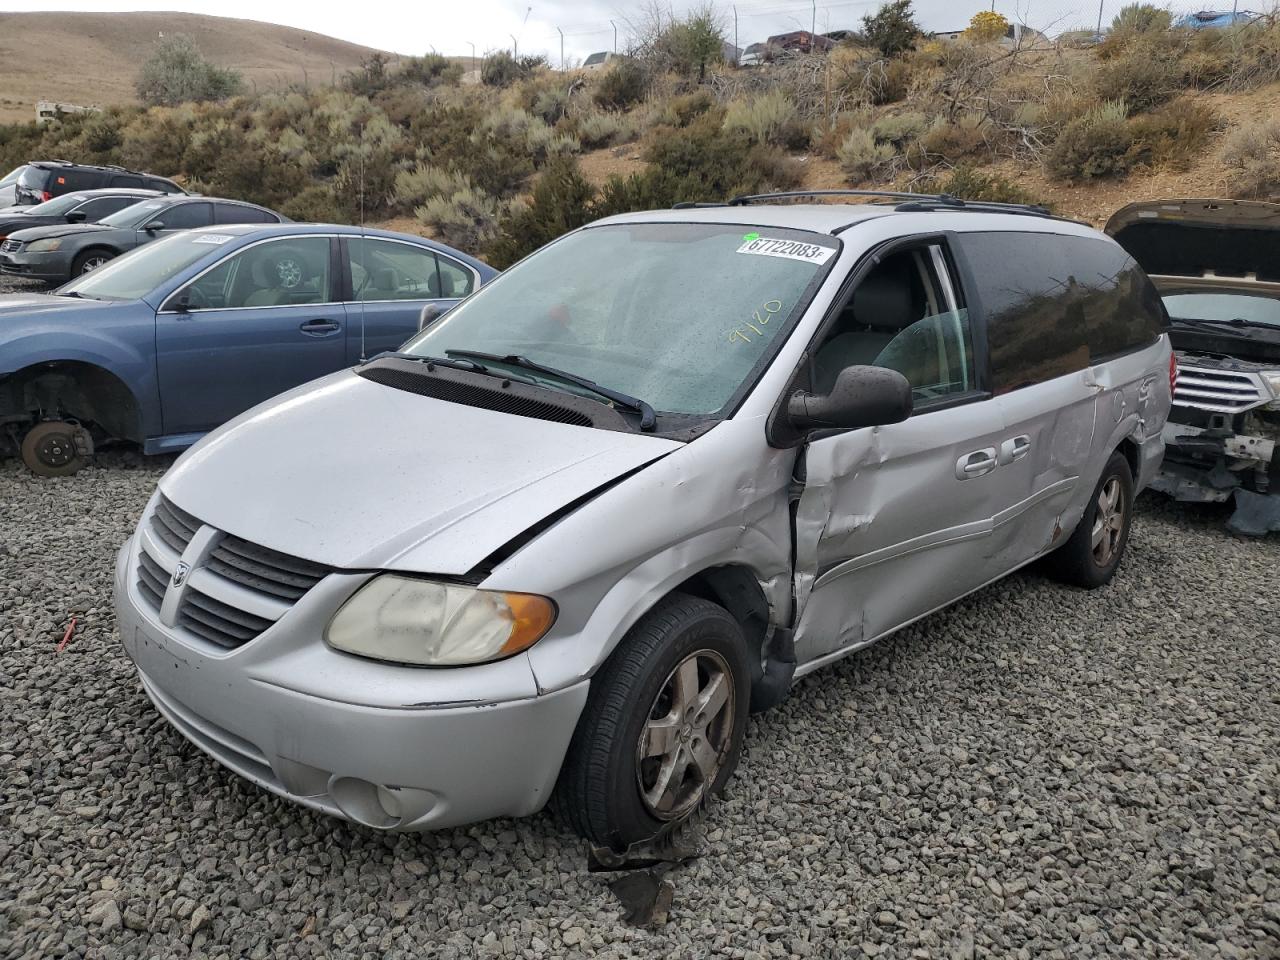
76, 216
155, 226
430, 314
862, 397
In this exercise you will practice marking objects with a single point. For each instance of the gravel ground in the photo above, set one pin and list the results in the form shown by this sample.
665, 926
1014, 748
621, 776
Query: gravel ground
1036, 772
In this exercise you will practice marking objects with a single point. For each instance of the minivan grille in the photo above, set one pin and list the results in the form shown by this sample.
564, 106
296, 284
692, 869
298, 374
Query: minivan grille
471, 395
1220, 391
231, 597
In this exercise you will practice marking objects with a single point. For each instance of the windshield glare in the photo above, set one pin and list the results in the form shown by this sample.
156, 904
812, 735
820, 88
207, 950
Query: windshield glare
135, 274
12, 176
56, 206
133, 216
1224, 306
678, 314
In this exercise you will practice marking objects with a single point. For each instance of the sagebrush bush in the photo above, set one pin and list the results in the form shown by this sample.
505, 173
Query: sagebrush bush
860, 155
767, 118
1096, 144
1173, 134
955, 140
685, 109
1146, 74
465, 218
423, 181
1251, 156
599, 129
622, 86
314, 204
561, 201
899, 129
970, 183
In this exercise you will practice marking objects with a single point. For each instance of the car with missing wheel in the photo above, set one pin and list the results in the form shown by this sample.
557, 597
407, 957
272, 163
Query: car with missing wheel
1216, 263
165, 343
56, 254
559, 544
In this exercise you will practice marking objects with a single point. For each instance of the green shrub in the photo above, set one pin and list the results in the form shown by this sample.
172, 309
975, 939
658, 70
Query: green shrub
622, 86
464, 218
1251, 155
501, 69
1145, 75
716, 164
899, 129
176, 72
860, 155
1141, 18
892, 29
430, 69
955, 140
969, 183
598, 129
314, 204
1096, 144
561, 201
766, 118
1174, 134
414, 187
685, 109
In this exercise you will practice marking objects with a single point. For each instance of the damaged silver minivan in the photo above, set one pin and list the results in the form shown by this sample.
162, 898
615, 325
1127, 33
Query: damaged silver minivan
1216, 263
565, 539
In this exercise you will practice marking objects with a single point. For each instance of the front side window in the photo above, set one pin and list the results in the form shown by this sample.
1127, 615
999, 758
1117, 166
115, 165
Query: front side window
387, 270
904, 315
682, 315
100, 207
278, 273
183, 216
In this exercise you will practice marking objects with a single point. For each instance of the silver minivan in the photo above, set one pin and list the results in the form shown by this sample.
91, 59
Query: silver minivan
562, 542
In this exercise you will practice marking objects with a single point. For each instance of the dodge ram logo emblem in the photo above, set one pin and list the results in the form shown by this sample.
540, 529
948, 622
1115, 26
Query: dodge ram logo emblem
180, 573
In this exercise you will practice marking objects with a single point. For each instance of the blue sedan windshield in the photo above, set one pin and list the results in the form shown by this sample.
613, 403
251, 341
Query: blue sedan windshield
136, 274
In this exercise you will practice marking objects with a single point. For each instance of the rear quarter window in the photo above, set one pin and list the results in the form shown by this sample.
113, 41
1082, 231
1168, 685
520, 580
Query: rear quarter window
1055, 304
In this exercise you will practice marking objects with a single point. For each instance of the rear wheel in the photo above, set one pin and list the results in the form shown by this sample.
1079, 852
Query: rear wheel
56, 448
1093, 554
663, 726
90, 260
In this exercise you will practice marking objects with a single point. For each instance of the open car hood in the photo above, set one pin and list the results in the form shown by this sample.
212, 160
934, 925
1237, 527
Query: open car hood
1197, 238
353, 474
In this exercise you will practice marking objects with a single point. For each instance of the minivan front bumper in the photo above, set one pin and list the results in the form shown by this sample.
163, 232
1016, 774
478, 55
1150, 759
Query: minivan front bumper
338, 734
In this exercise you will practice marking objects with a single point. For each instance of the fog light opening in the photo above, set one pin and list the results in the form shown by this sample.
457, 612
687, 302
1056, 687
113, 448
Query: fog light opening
368, 804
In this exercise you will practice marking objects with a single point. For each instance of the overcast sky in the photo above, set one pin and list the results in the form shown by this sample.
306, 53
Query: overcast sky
451, 27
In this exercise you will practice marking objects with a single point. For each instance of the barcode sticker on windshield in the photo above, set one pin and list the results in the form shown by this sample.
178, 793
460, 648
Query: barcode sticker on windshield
753, 243
214, 238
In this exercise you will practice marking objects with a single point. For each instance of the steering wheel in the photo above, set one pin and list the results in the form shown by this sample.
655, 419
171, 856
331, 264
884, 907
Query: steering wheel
196, 299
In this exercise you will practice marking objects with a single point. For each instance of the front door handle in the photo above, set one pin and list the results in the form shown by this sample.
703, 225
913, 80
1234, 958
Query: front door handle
1015, 448
316, 327
976, 464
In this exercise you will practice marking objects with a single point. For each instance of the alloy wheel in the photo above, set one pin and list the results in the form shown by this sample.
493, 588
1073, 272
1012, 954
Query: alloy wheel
93, 263
1108, 522
687, 737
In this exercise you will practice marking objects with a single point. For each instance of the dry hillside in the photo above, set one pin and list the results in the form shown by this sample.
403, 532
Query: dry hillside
107, 49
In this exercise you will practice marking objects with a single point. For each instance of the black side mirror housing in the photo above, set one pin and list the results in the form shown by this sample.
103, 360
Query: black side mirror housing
76, 216
862, 396
430, 314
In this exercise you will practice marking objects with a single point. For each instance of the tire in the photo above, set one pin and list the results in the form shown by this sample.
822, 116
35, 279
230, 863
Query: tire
1082, 561
49, 449
606, 791
89, 260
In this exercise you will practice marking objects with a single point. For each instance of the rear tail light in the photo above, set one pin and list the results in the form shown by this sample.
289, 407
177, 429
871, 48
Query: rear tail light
1173, 373
46, 196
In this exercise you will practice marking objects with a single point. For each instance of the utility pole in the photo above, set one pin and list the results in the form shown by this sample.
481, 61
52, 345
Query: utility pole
737, 51
813, 25
1100, 3
615, 37
515, 47
561, 32
473, 54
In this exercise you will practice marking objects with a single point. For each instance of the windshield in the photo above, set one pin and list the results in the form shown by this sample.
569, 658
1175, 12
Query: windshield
1224, 306
12, 176
678, 314
57, 206
136, 274
133, 216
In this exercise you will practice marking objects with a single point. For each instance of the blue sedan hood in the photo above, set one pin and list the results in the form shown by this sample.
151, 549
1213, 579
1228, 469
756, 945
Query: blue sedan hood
24, 305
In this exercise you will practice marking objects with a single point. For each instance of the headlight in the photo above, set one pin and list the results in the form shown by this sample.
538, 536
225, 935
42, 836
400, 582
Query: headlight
43, 246
1272, 379
434, 624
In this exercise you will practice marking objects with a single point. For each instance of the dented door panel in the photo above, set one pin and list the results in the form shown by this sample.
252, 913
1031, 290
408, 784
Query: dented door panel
885, 528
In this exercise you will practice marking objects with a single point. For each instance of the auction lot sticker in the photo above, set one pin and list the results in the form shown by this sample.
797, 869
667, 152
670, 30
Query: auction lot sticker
760, 246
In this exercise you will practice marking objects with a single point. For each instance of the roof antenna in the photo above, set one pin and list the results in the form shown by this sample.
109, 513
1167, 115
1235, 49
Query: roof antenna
364, 267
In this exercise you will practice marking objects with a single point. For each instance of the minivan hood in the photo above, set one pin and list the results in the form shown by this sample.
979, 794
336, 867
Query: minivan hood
1194, 238
354, 474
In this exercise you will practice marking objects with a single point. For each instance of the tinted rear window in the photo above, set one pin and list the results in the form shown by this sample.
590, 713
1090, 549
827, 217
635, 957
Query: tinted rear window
1054, 304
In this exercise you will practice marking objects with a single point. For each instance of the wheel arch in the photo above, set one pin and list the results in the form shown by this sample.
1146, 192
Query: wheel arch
75, 389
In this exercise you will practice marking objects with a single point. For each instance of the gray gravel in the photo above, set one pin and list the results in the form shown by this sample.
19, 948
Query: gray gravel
1037, 772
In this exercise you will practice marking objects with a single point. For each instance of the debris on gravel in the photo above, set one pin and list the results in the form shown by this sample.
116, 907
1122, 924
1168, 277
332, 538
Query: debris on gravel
1035, 772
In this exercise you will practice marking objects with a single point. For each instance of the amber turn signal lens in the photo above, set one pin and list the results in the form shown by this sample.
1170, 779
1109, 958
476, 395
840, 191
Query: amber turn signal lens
531, 617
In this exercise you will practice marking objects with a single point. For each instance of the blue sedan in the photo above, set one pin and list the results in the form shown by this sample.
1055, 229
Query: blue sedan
165, 343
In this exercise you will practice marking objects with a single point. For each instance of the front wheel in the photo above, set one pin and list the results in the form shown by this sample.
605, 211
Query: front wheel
1091, 557
662, 729
89, 260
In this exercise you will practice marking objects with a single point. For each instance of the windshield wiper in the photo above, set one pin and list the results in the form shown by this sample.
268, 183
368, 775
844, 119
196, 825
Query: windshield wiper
1215, 322
461, 363
648, 419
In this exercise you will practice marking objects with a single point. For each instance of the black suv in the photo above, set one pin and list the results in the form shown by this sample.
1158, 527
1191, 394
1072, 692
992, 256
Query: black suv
45, 179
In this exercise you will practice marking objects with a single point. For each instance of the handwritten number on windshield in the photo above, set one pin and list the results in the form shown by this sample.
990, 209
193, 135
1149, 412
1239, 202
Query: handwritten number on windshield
758, 321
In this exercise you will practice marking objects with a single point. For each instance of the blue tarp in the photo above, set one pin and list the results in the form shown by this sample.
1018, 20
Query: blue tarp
1213, 19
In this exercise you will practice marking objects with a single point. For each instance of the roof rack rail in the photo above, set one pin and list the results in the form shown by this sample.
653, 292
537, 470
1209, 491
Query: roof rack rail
909, 201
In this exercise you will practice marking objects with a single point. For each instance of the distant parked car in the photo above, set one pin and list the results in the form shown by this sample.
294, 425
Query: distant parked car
56, 254
45, 179
9, 186
600, 60
177, 337
86, 206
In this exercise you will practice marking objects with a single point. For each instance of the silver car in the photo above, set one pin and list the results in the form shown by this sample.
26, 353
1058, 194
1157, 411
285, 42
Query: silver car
567, 537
